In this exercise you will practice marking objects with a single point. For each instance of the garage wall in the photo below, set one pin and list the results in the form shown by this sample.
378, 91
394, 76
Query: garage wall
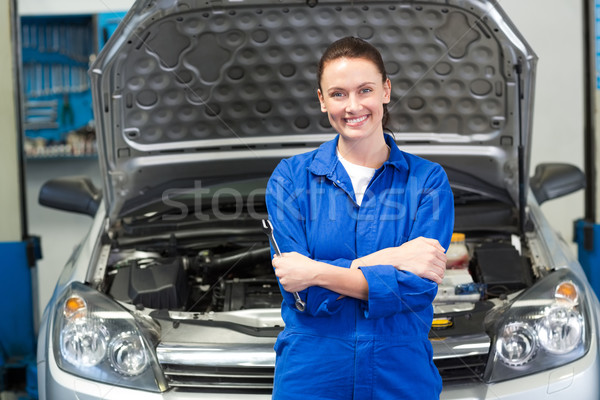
63, 7
554, 33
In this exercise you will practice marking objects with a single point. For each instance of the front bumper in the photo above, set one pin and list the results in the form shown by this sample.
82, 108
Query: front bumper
577, 380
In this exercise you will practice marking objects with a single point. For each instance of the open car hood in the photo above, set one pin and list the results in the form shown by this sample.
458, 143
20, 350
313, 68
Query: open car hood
188, 90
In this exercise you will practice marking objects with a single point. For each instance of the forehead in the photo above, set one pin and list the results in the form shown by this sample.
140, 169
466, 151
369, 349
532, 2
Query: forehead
350, 70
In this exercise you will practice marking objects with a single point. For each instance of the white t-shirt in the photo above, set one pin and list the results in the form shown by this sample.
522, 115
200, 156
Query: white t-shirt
359, 175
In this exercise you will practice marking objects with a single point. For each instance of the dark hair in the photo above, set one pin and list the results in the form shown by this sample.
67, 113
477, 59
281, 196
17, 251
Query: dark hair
353, 47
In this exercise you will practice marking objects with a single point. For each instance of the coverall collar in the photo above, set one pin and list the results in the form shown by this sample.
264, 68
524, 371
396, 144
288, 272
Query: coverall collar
326, 160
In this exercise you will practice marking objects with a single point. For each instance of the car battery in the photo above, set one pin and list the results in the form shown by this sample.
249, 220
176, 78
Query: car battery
501, 268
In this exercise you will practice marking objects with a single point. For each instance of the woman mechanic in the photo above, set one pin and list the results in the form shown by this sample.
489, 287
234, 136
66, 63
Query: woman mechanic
363, 228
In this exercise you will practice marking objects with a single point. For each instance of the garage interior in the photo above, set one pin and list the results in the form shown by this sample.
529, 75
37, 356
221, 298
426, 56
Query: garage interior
49, 133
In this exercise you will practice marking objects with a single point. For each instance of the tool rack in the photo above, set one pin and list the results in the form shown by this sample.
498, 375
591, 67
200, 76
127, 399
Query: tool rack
57, 109
56, 53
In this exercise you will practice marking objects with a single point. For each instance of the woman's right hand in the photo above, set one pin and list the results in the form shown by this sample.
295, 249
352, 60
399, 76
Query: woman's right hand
295, 271
422, 256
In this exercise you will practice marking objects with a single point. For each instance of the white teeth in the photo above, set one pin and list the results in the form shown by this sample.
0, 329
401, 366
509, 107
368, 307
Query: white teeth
356, 120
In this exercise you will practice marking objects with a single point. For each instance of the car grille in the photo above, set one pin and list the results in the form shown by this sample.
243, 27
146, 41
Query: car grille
260, 379
459, 369
220, 379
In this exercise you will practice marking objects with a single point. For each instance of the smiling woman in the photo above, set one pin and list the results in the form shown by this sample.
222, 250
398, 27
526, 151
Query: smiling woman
352, 95
354, 92
368, 275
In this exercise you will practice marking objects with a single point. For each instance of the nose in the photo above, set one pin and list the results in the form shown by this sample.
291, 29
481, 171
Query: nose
353, 104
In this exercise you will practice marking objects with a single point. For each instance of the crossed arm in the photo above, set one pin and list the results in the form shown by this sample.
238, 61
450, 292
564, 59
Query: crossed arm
378, 277
422, 256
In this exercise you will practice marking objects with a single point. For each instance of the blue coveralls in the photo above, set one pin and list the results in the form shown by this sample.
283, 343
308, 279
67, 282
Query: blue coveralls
347, 348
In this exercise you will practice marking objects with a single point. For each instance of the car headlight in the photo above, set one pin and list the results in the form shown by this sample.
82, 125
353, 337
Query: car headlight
517, 344
543, 329
95, 338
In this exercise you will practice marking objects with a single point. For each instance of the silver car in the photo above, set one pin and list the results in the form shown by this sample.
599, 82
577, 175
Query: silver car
172, 295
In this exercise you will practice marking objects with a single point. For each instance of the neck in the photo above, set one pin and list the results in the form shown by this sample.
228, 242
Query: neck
370, 154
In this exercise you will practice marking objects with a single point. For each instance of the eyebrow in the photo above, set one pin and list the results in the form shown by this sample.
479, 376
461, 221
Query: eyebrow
361, 85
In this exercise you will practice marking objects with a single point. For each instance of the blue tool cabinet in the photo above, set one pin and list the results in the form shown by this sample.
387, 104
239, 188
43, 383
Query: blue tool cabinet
17, 338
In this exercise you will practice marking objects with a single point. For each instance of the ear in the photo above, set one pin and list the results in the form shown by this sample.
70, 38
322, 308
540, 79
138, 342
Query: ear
387, 89
321, 100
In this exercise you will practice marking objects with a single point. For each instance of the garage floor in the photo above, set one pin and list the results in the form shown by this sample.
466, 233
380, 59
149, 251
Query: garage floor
13, 396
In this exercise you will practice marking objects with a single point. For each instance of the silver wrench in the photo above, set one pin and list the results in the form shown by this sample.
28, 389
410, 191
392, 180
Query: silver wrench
268, 230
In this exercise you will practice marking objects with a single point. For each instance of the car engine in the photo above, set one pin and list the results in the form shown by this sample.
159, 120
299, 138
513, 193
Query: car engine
233, 277
218, 279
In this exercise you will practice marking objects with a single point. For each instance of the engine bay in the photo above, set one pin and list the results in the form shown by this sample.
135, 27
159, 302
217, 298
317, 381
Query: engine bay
219, 279
239, 276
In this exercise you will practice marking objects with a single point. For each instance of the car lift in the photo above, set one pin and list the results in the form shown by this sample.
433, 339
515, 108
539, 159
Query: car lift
18, 252
587, 229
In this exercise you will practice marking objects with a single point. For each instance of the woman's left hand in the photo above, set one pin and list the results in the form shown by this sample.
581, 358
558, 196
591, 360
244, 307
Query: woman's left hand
295, 271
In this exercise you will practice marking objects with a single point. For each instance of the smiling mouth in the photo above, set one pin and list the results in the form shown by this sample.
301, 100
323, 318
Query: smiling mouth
356, 120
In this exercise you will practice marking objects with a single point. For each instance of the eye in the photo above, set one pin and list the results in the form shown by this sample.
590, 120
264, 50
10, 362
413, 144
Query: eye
336, 94
366, 90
